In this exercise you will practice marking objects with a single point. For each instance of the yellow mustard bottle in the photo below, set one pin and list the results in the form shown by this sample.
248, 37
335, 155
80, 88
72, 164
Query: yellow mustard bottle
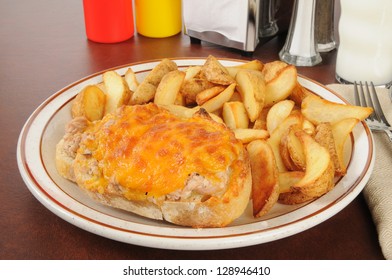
158, 18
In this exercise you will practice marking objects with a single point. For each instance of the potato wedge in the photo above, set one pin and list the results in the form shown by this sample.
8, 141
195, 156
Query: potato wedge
341, 131
146, 90
278, 113
285, 152
131, 80
180, 111
308, 127
89, 103
236, 96
118, 93
102, 87
161, 69
251, 86
215, 72
295, 149
252, 65
261, 121
281, 86
298, 94
205, 95
265, 180
289, 179
319, 110
169, 87
217, 102
192, 87
185, 112
271, 69
319, 173
247, 135
234, 115
294, 196
180, 100
191, 72
324, 183
276, 136
324, 136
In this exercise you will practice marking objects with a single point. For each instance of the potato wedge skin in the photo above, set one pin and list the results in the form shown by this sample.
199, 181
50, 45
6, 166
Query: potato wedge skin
271, 69
294, 197
288, 179
295, 149
305, 190
302, 194
298, 94
160, 70
214, 72
192, 87
265, 180
285, 152
324, 136
89, 103
321, 186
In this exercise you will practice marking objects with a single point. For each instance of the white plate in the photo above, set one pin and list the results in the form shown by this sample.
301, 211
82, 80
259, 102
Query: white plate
45, 127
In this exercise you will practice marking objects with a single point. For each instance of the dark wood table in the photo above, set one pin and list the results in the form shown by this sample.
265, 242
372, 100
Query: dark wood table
43, 48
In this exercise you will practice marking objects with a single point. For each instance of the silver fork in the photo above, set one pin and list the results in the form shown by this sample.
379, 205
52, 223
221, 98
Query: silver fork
376, 121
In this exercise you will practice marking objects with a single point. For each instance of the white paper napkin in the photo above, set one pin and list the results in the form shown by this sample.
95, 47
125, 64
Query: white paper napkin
378, 191
227, 17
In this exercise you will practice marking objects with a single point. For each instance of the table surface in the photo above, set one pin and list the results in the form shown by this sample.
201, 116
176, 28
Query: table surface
43, 48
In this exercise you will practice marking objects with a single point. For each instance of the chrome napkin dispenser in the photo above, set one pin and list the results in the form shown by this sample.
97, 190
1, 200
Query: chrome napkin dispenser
230, 23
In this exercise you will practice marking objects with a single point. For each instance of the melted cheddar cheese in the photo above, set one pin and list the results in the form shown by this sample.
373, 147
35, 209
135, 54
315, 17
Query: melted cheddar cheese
151, 152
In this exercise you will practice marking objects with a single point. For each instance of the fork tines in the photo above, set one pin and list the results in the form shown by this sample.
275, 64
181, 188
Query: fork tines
371, 100
368, 98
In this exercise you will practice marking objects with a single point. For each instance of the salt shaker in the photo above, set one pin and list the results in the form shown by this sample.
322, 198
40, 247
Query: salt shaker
300, 47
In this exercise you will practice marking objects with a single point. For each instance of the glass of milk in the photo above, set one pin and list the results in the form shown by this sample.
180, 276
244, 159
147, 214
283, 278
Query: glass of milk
365, 49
